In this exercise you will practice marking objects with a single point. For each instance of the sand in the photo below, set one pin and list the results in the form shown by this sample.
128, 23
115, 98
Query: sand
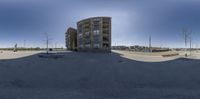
157, 56
146, 56
15, 55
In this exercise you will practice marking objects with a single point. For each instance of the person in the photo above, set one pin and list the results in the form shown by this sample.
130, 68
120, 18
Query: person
15, 48
186, 55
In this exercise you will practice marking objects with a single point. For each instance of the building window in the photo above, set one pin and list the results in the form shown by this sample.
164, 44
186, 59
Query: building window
87, 41
80, 35
80, 41
96, 39
96, 46
80, 27
96, 32
96, 27
87, 45
87, 33
81, 46
96, 19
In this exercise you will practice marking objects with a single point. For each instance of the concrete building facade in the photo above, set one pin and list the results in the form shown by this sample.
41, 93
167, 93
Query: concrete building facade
94, 34
71, 39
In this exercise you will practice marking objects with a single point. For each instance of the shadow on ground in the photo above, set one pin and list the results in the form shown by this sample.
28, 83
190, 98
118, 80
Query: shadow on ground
98, 76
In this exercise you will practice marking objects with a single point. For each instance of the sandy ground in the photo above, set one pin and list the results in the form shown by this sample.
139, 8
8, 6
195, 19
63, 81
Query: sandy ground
156, 57
97, 76
15, 55
146, 56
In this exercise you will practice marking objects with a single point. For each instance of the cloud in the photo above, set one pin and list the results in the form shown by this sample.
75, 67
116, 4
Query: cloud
132, 20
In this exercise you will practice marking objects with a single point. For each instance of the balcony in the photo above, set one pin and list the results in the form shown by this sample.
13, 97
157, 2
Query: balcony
87, 29
106, 19
96, 45
96, 40
106, 31
106, 35
105, 45
86, 24
106, 23
105, 42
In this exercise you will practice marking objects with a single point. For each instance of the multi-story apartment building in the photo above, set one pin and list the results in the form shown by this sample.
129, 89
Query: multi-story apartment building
71, 39
94, 34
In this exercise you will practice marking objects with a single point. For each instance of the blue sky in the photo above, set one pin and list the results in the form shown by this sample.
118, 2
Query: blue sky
133, 21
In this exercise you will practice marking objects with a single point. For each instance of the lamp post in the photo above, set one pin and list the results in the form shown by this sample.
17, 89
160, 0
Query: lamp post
150, 44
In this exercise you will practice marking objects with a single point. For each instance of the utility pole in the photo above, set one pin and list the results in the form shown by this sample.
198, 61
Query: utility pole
149, 43
197, 48
15, 47
186, 35
190, 44
47, 42
24, 43
55, 45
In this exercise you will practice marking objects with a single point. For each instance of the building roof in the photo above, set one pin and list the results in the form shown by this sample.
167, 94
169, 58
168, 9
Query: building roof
92, 18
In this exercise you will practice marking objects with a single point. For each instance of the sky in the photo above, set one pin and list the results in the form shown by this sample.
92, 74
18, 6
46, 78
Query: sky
133, 21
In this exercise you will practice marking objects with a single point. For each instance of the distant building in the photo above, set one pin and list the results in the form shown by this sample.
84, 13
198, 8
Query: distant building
71, 39
94, 34
120, 48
